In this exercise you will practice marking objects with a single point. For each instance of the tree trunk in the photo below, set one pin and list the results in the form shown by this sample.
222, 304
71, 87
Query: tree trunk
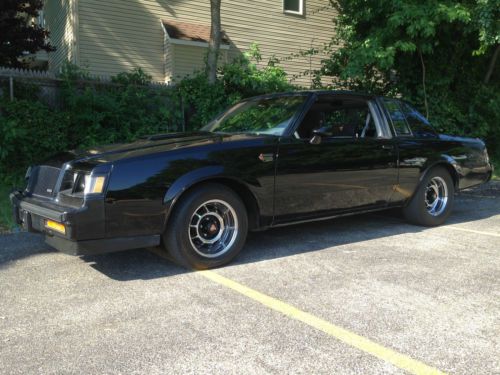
492, 64
214, 43
423, 83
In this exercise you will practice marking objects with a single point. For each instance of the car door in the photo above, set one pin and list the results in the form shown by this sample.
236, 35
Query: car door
351, 166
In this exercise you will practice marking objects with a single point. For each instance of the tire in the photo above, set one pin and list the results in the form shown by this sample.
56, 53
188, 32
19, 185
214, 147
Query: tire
198, 233
424, 209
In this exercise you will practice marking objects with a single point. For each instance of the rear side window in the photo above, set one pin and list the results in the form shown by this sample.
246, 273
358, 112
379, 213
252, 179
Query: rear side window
397, 117
419, 125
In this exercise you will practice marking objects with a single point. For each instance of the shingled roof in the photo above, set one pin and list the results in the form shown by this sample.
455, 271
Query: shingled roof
190, 32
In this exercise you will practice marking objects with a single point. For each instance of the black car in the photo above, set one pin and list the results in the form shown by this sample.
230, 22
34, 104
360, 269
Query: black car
267, 161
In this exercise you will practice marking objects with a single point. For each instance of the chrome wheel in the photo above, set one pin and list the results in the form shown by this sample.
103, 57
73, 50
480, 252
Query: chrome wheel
436, 196
213, 228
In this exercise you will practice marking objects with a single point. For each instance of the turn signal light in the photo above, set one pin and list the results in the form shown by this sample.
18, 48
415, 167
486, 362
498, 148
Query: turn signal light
58, 227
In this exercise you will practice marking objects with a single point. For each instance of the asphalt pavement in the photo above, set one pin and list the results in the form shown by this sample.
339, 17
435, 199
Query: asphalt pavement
368, 294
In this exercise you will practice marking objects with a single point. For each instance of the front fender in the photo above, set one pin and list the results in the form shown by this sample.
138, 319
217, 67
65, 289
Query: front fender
189, 179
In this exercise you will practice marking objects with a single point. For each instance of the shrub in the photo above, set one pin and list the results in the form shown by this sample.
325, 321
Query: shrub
29, 133
119, 111
237, 80
94, 112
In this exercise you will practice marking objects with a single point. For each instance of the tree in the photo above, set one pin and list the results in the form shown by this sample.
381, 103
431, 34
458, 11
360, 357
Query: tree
18, 34
487, 18
442, 55
215, 40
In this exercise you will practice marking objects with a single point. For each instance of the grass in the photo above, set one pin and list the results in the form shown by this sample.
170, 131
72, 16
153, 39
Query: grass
6, 219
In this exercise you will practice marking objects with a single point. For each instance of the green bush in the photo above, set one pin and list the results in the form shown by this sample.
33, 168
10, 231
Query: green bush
237, 80
242, 77
119, 111
435, 56
29, 132
93, 112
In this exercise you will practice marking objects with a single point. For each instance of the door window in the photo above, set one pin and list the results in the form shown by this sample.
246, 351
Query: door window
339, 118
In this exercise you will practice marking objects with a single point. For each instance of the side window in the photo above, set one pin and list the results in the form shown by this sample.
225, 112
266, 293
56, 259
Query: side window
346, 121
419, 125
339, 117
397, 117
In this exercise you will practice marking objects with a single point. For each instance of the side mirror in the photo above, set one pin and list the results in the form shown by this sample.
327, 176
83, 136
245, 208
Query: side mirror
318, 135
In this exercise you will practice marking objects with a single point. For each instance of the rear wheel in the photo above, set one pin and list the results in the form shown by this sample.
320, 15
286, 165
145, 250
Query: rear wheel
433, 201
208, 227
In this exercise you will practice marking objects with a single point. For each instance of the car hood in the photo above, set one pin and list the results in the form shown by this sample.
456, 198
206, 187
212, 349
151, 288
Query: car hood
145, 145
164, 141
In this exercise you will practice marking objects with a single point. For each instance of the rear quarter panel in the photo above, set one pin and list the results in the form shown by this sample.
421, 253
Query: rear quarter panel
464, 157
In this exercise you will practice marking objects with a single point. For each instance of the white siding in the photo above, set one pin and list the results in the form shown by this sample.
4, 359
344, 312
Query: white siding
187, 60
117, 35
60, 16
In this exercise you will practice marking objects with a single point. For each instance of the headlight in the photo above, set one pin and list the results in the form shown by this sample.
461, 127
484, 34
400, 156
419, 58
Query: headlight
94, 184
89, 184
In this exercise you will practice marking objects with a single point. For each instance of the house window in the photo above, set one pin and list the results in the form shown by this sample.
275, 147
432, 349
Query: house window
293, 6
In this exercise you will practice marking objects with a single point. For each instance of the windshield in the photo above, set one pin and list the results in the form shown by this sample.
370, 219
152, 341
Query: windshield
258, 116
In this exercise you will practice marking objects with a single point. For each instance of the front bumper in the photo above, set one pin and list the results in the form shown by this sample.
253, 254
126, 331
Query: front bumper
85, 226
101, 246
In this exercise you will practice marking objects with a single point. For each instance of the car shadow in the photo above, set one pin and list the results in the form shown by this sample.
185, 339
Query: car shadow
139, 264
286, 241
274, 243
271, 244
15, 246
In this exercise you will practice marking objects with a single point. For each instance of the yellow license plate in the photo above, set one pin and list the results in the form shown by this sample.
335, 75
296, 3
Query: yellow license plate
58, 227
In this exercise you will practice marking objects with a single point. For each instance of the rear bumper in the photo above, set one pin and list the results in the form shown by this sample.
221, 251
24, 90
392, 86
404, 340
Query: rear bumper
84, 226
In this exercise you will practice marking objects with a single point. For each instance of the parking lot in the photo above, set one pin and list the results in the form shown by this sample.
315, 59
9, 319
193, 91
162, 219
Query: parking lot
362, 295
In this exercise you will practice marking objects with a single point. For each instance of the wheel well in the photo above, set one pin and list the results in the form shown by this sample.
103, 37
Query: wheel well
453, 173
241, 190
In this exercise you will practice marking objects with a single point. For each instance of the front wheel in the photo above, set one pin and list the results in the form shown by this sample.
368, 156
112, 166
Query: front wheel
433, 201
208, 227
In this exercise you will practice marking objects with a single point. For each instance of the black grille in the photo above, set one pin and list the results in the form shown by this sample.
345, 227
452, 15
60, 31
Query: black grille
43, 180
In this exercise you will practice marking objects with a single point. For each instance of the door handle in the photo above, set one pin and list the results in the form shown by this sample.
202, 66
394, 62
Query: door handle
388, 147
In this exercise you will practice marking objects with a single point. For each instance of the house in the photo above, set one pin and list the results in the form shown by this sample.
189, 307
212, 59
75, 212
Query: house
169, 38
